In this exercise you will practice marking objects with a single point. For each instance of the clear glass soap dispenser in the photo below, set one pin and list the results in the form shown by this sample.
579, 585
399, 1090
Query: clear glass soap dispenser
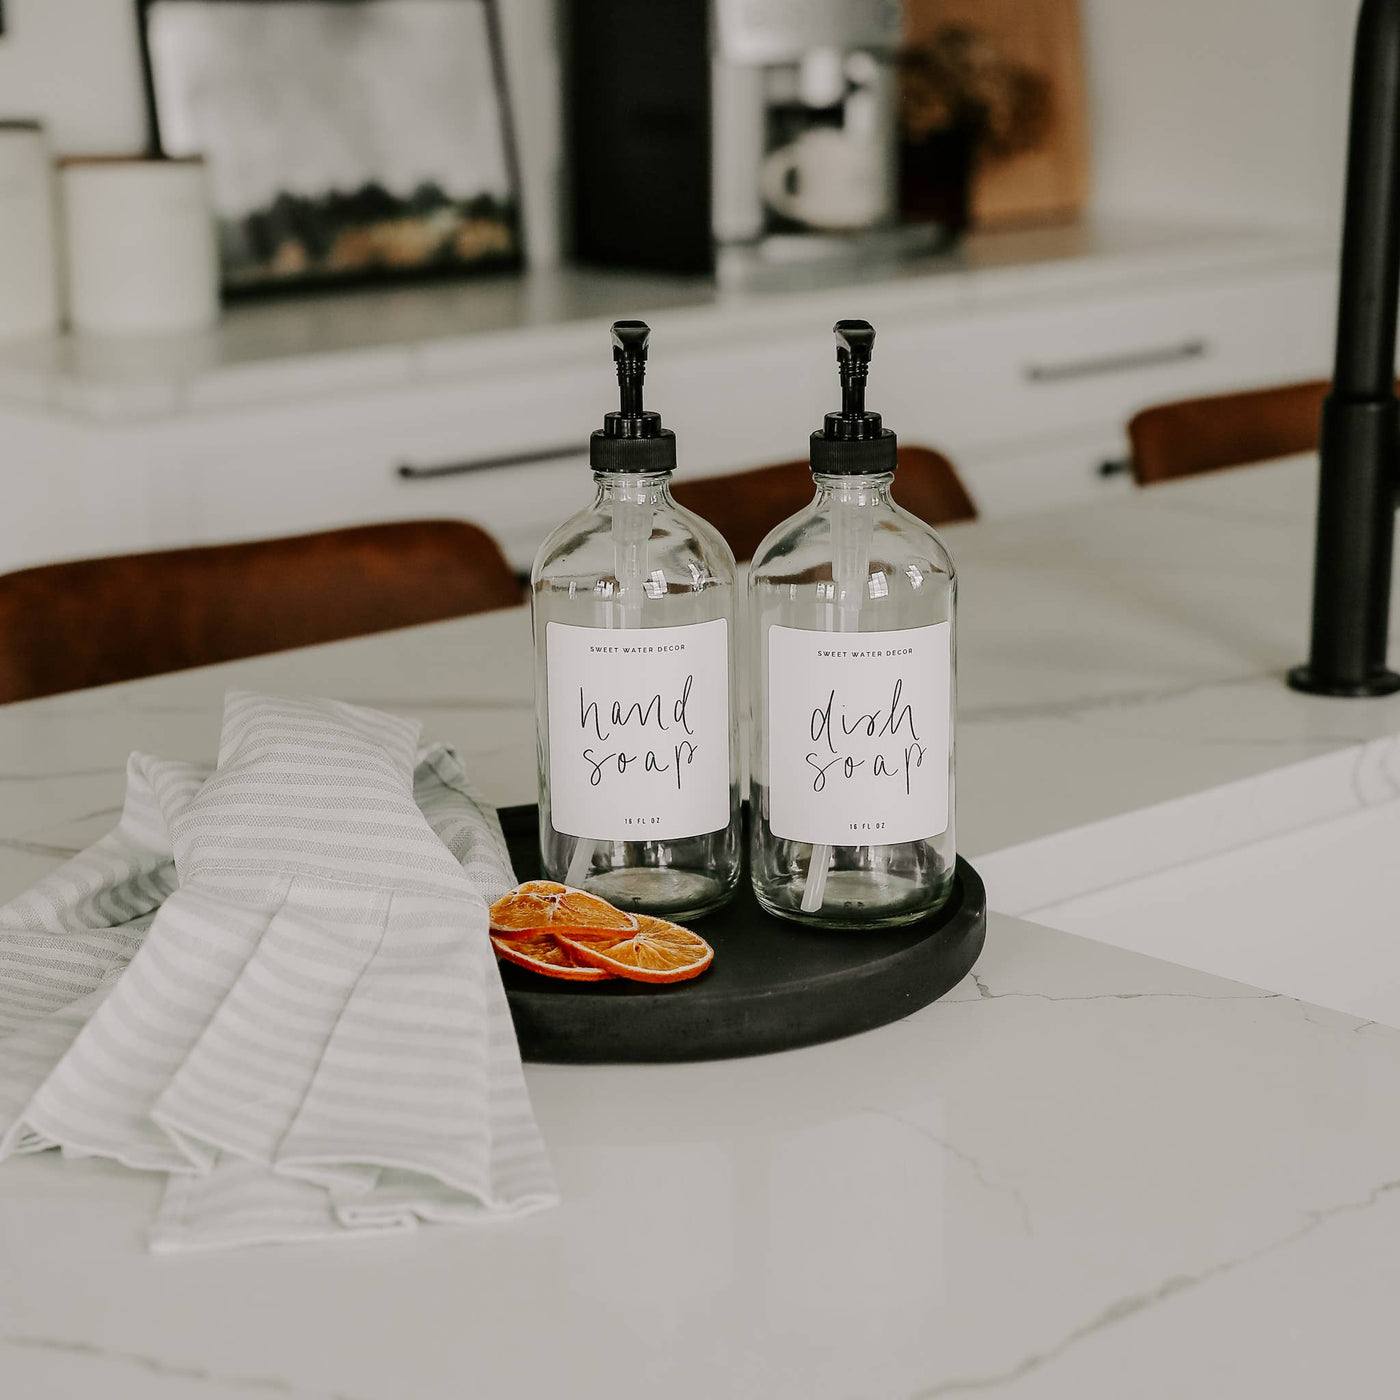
634, 617
852, 613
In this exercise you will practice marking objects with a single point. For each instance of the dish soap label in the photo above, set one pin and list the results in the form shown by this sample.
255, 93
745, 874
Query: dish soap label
639, 730
859, 732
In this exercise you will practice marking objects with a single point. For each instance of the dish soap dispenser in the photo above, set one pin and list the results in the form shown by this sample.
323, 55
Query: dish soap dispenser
852, 612
633, 606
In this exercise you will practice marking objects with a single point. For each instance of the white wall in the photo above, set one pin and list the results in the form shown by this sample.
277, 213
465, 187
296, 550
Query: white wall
1221, 108
1230, 109
75, 64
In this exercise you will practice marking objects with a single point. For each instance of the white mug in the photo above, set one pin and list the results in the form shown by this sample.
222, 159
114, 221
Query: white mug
829, 179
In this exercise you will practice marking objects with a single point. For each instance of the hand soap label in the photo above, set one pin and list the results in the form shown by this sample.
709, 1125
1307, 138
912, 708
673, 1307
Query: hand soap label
639, 730
859, 730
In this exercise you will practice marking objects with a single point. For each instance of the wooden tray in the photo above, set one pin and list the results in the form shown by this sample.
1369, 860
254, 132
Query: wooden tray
773, 985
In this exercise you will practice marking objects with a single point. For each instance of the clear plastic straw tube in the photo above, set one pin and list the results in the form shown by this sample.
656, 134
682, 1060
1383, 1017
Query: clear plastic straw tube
850, 567
631, 536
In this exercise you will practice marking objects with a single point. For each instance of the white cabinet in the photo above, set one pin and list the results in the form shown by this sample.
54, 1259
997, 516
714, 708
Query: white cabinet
1019, 395
404, 455
1026, 381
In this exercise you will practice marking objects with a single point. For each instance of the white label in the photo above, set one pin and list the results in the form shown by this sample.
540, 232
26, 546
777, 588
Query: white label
859, 734
639, 730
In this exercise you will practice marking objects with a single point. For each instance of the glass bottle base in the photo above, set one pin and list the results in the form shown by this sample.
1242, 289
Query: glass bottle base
668, 893
856, 899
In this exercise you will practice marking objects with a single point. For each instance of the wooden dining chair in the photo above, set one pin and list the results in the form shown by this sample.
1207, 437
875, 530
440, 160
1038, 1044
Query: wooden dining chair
1190, 436
745, 506
93, 621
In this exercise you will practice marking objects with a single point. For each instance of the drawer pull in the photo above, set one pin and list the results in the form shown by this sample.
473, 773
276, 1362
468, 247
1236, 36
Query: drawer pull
412, 472
1117, 364
1115, 466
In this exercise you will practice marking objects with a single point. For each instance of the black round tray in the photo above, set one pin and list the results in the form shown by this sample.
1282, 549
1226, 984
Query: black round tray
773, 985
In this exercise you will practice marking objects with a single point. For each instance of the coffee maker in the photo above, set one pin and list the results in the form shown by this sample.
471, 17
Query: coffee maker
744, 138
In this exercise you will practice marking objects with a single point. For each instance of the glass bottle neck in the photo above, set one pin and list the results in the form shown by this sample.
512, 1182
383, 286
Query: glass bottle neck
632, 488
867, 489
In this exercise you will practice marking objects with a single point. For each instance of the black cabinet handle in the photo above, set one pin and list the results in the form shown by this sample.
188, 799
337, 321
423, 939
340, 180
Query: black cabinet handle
1115, 466
410, 471
1117, 364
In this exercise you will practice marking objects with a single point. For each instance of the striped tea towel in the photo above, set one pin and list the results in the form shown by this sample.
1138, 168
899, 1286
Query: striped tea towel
275, 984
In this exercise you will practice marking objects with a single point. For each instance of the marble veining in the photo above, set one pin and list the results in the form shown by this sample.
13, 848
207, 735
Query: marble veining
978, 1170
164, 1370
1286, 879
1127, 1307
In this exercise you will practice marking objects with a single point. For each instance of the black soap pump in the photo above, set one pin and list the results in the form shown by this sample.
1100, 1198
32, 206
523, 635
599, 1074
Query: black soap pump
632, 439
853, 441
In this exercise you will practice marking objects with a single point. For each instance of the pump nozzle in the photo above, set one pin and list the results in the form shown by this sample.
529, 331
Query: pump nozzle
629, 340
855, 342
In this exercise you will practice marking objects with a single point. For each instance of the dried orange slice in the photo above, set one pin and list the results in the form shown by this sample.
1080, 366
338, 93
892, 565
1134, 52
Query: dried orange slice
541, 953
545, 904
659, 951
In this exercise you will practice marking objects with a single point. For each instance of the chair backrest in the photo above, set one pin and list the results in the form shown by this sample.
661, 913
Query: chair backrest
1226, 430
745, 506
93, 621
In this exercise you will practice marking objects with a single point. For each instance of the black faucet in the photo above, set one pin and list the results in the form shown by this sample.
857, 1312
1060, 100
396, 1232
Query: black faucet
1360, 441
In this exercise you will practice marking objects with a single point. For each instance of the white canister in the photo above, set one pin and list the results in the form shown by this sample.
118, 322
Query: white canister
142, 254
30, 300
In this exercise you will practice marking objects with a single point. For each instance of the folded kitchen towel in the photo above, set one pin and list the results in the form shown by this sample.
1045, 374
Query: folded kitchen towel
274, 982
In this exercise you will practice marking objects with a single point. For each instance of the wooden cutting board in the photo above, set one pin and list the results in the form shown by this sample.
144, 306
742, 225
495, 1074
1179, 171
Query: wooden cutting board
1051, 182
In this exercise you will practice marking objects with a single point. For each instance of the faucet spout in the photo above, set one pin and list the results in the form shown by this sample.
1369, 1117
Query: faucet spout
1360, 434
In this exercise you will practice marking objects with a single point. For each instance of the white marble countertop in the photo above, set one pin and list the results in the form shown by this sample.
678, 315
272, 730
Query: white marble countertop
1085, 1173
354, 342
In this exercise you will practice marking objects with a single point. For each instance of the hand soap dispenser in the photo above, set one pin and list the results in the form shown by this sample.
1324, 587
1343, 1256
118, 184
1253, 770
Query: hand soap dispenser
633, 607
851, 611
